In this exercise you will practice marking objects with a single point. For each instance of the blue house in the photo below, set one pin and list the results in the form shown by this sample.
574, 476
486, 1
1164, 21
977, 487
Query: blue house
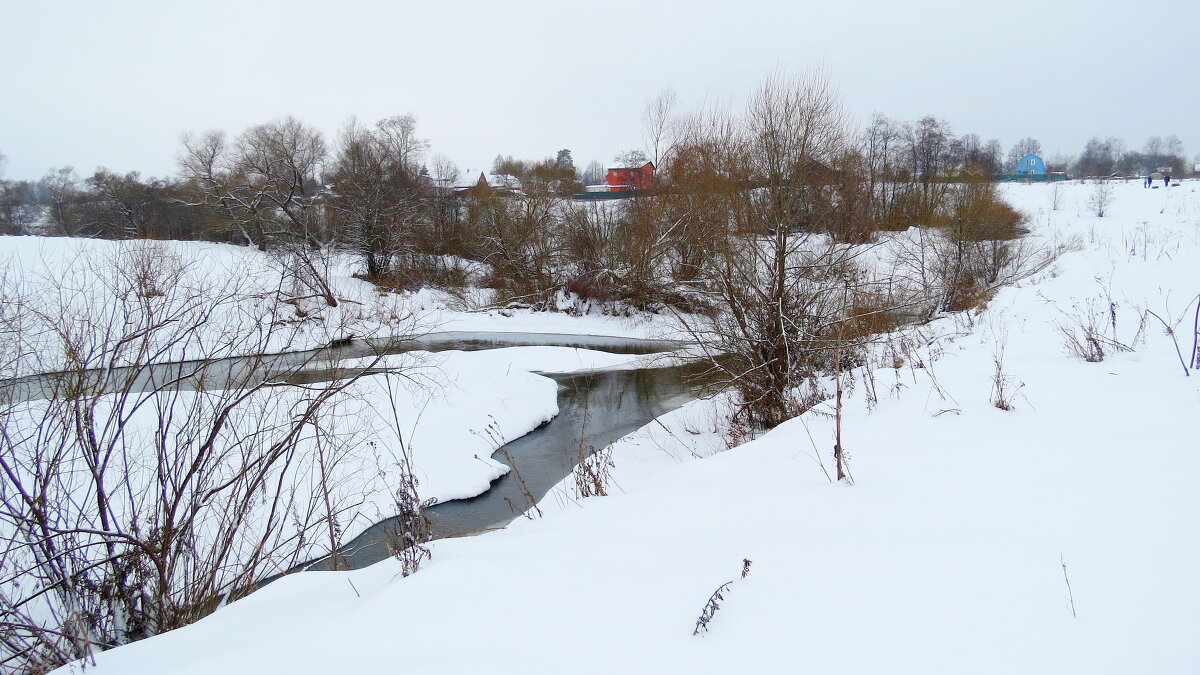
1030, 165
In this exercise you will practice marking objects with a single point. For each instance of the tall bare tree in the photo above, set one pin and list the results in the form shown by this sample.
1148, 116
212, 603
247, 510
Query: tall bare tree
266, 184
659, 125
61, 195
777, 283
377, 193
931, 150
1025, 146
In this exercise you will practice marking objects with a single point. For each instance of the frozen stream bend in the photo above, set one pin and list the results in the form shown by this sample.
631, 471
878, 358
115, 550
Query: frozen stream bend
595, 409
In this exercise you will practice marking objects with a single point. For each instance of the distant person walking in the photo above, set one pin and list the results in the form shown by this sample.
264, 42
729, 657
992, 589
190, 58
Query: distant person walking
1146, 183
1167, 180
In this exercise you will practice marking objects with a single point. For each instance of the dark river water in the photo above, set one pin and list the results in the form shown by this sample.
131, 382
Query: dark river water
595, 409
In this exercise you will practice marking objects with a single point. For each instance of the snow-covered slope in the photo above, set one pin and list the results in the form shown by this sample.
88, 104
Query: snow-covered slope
1056, 537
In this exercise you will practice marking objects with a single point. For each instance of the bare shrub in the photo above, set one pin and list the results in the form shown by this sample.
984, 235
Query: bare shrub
529, 509
419, 270
593, 472
1089, 329
734, 432
150, 267
1056, 195
777, 282
951, 272
411, 527
1002, 383
517, 238
1100, 198
136, 497
975, 250
592, 244
778, 322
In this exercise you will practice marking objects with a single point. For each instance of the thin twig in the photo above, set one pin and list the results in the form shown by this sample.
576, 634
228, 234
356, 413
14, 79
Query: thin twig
1070, 593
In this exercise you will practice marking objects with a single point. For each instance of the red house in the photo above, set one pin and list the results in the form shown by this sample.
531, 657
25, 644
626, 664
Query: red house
624, 178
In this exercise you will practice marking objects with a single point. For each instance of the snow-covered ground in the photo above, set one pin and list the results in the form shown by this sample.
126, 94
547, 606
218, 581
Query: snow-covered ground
245, 292
462, 405
1055, 537
451, 409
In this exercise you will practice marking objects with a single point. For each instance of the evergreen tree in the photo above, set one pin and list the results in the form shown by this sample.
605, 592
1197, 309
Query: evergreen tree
564, 161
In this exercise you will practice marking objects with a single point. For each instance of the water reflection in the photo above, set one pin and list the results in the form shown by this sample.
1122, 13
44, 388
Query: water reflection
595, 409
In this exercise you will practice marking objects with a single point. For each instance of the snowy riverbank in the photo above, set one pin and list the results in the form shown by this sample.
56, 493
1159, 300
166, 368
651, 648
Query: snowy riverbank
952, 552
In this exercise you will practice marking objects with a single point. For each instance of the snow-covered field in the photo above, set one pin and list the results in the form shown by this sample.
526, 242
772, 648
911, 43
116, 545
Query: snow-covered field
246, 292
1055, 537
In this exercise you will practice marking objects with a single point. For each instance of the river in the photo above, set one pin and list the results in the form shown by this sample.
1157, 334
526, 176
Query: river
595, 409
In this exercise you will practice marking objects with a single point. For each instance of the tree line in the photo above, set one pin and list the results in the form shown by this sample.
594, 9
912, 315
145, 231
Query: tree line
289, 156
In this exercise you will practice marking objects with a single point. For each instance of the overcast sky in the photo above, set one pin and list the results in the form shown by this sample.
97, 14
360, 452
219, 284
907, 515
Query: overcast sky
114, 83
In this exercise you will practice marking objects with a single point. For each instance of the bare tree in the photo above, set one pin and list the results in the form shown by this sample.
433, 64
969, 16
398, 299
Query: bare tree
1099, 158
593, 174
121, 206
445, 171
447, 218
519, 238
1153, 146
993, 157
136, 497
889, 184
266, 185
777, 283
658, 125
631, 158
1023, 147
930, 146
60, 189
377, 195
18, 208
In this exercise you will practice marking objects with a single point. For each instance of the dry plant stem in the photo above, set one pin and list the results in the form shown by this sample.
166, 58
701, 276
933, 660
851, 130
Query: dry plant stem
713, 604
1001, 396
710, 608
531, 506
838, 452
413, 528
1070, 593
1196, 336
591, 473
1170, 331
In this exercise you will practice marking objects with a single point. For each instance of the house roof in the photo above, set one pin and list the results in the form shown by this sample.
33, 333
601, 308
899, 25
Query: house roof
631, 168
493, 180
